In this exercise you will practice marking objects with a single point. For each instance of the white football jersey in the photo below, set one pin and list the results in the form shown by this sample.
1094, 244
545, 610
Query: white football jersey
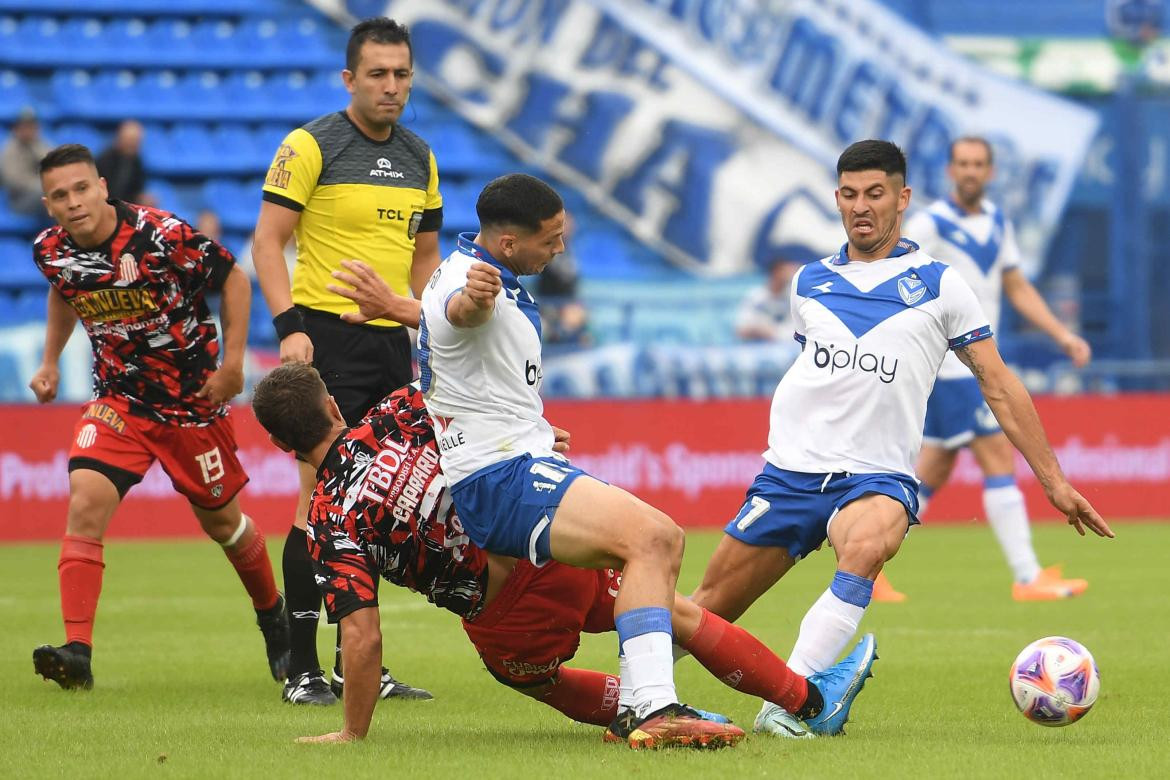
482, 385
979, 246
873, 335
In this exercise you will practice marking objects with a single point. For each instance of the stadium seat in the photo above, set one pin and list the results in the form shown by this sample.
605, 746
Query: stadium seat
236, 202
459, 205
215, 44
15, 225
78, 133
237, 150
30, 305
202, 97
17, 269
33, 41
463, 151
85, 41
185, 150
327, 90
14, 95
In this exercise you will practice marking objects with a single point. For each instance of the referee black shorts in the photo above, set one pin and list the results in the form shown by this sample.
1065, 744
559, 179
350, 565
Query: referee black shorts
360, 364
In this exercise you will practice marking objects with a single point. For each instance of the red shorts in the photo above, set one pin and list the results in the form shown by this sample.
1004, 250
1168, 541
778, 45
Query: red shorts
534, 623
200, 460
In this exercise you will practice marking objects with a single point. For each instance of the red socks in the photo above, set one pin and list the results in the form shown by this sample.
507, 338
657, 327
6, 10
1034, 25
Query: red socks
745, 663
79, 573
250, 558
584, 695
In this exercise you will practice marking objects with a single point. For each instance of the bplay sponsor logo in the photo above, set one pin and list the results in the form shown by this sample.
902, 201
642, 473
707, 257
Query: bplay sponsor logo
835, 360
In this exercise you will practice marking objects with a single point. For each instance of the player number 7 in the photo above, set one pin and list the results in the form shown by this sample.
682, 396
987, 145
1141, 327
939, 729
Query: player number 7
759, 507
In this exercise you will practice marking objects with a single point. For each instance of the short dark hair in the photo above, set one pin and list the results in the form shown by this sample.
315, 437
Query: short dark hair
379, 29
872, 155
66, 154
517, 199
973, 139
289, 403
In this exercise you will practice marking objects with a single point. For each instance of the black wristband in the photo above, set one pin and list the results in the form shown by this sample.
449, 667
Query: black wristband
288, 322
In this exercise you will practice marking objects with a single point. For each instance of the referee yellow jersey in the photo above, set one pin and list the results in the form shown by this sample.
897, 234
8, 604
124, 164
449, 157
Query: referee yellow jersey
359, 199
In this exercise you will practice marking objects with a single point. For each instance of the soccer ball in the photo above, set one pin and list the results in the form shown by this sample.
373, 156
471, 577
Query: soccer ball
1054, 681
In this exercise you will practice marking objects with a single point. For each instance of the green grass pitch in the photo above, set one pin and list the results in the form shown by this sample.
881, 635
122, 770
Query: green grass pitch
182, 689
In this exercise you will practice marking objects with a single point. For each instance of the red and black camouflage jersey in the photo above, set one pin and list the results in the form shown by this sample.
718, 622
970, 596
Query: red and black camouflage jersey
140, 296
382, 505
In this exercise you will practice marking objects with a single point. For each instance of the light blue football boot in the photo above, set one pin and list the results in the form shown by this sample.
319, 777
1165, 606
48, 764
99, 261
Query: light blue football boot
840, 684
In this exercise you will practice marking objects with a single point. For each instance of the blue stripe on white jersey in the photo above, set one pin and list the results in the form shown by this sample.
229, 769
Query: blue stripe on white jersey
948, 222
861, 311
424, 354
873, 336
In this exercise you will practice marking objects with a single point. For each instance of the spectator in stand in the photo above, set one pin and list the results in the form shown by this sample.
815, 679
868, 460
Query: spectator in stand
563, 317
208, 223
765, 312
20, 165
121, 164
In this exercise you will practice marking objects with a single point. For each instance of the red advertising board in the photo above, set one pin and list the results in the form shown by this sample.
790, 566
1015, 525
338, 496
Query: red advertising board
692, 459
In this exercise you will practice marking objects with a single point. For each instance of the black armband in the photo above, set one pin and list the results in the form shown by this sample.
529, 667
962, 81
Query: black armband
288, 322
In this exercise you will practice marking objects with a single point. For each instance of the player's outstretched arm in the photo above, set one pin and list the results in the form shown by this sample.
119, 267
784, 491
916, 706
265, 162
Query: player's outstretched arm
61, 319
1027, 301
273, 230
374, 298
236, 302
361, 658
474, 304
1013, 408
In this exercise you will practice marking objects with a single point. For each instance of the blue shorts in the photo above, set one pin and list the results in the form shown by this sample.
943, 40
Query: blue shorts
956, 413
792, 510
507, 508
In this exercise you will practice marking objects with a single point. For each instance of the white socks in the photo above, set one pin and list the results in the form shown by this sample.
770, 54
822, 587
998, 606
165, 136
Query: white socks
650, 666
829, 624
1008, 516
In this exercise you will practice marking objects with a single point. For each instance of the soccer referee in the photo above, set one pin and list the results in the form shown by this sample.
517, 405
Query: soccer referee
352, 184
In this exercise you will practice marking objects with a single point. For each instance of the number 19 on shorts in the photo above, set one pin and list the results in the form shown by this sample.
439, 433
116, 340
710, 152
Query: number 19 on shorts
211, 464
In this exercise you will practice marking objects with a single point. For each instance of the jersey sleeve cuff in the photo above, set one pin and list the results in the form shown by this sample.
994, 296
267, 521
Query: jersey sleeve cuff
446, 303
971, 337
799, 338
281, 200
432, 220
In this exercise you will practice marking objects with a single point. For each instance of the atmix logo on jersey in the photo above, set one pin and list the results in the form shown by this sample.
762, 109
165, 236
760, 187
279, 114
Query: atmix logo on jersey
843, 360
385, 170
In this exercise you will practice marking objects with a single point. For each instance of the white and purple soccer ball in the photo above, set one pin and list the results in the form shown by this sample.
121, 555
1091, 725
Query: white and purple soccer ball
1054, 681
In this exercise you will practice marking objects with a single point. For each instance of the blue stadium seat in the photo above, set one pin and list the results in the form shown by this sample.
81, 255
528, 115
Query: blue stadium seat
78, 133
30, 304
327, 91
14, 95
214, 41
130, 39
173, 44
237, 150
17, 268
167, 198
203, 97
13, 224
236, 202
33, 41
85, 41
464, 151
459, 205
269, 137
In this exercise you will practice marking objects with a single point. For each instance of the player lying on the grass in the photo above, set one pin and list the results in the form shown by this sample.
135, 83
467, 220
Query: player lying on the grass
381, 506
138, 278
